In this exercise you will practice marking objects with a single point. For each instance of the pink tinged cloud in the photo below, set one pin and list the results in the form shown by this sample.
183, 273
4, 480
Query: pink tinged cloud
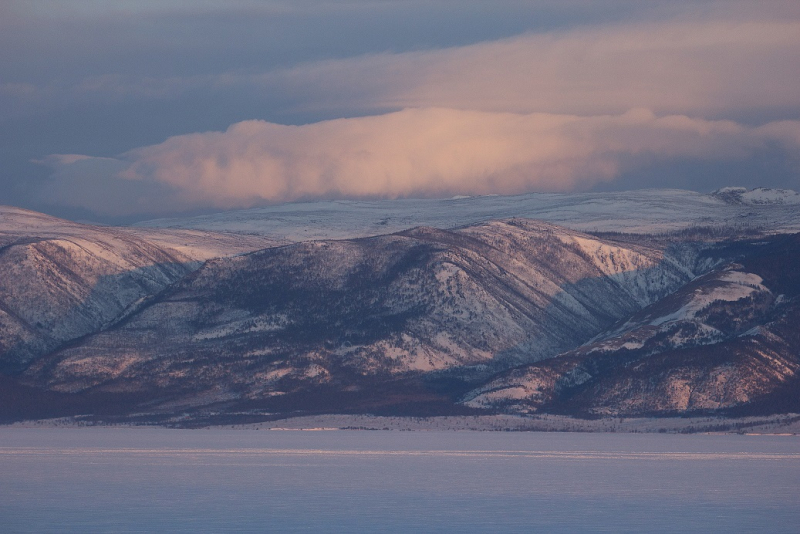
411, 153
707, 68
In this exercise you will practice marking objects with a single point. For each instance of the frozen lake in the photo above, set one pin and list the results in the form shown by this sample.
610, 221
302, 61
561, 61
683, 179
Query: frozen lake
145, 480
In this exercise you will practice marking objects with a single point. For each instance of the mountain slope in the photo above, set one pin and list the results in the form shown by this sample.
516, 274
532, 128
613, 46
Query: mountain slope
515, 315
727, 340
62, 280
642, 212
759, 196
349, 314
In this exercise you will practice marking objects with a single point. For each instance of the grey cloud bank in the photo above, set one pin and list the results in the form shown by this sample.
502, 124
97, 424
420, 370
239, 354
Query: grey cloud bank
388, 99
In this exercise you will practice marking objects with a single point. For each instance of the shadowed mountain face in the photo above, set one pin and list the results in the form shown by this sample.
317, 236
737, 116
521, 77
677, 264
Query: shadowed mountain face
515, 315
726, 341
56, 290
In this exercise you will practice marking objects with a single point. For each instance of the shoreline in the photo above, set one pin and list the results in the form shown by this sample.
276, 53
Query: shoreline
781, 424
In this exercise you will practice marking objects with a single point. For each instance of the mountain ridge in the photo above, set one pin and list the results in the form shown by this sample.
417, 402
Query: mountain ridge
646, 211
513, 316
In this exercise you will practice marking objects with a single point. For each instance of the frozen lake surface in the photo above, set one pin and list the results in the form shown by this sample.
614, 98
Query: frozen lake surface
158, 480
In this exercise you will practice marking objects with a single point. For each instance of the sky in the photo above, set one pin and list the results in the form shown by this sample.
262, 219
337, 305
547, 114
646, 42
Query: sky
129, 110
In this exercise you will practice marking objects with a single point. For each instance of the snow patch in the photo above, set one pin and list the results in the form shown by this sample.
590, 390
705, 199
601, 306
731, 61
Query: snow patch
740, 285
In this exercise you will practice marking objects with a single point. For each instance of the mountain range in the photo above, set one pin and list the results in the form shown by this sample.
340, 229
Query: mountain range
642, 303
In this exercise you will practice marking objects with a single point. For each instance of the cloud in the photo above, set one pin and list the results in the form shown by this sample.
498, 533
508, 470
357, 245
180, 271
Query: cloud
570, 108
95, 184
711, 67
419, 152
57, 161
707, 68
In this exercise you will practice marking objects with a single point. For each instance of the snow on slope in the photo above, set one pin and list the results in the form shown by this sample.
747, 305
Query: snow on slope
60, 280
757, 196
339, 312
689, 306
714, 343
644, 211
186, 244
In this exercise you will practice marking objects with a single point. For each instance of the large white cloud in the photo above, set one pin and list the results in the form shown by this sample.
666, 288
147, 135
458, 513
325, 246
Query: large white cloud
414, 152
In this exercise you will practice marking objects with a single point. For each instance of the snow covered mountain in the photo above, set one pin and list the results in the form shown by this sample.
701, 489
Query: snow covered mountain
757, 197
62, 280
694, 309
726, 340
646, 211
282, 320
